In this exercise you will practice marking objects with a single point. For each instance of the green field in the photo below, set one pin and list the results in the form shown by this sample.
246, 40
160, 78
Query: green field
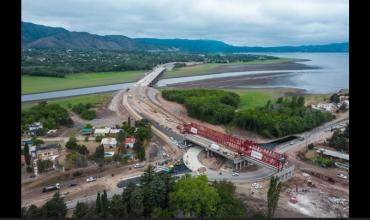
208, 67
252, 98
35, 84
94, 99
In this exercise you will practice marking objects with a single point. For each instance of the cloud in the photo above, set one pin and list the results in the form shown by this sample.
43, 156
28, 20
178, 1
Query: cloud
238, 22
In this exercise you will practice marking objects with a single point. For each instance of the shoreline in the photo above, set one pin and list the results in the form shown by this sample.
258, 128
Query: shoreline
293, 64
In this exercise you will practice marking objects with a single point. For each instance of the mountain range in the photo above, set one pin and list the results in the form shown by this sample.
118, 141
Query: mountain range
40, 36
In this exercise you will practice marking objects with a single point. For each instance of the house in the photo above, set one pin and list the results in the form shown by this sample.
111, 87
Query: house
33, 128
28, 141
109, 142
101, 131
333, 154
86, 131
114, 131
330, 107
47, 151
130, 141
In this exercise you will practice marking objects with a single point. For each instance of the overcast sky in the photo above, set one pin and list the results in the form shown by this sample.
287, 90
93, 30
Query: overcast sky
237, 22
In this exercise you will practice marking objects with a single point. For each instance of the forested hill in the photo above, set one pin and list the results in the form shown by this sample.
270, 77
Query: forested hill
40, 36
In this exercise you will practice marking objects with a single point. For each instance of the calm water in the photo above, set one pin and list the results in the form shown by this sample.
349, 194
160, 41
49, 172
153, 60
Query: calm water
333, 76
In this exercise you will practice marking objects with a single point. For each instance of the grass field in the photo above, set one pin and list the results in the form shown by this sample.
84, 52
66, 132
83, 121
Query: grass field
94, 99
35, 84
252, 98
208, 67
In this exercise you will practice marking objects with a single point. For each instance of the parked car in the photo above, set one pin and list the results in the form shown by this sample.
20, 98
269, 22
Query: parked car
340, 175
235, 174
33, 176
91, 179
138, 165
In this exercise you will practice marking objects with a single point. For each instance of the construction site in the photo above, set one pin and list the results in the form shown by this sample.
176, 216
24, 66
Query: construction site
308, 190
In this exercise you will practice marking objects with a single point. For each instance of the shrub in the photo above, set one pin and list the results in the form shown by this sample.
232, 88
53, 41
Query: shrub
77, 173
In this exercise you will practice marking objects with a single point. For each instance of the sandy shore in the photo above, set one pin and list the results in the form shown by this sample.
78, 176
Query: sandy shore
264, 80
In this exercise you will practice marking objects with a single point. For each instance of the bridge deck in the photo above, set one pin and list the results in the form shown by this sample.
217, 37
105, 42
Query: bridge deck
224, 152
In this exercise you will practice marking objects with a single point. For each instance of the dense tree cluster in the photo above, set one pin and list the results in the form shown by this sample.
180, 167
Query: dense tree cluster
213, 106
59, 62
54, 208
158, 195
284, 117
44, 165
72, 145
52, 116
340, 140
84, 111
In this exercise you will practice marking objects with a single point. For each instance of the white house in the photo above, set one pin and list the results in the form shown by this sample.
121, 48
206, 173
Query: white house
101, 131
109, 142
32, 128
130, 141
114, 131
35, 126
330, 107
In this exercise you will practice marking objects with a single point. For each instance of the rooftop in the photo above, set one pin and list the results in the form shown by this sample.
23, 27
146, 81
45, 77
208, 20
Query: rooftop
334, 154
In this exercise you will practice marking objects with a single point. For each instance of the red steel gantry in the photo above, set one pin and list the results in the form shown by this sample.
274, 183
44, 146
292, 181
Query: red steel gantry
243, 147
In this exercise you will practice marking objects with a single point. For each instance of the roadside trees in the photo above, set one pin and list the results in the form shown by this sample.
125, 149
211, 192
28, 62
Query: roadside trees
82, 210
194, 197
273, 195
54, 208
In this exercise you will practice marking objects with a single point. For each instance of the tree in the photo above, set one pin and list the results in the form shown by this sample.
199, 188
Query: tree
82, 210
229, 206
99, 152
33, 212
194, 197
71, 143
154, 191
139, 149
120, 137
43, 165
104, 204
26, 153
136, 203
36, 141
334, 98
98, 205
118, 207
160, 213
98, 138
55, 208
273, 195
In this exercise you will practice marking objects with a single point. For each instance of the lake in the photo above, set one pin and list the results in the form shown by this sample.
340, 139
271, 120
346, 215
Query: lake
333, 75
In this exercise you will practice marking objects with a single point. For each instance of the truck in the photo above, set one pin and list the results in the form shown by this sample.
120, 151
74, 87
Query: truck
51, 187
215, 147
